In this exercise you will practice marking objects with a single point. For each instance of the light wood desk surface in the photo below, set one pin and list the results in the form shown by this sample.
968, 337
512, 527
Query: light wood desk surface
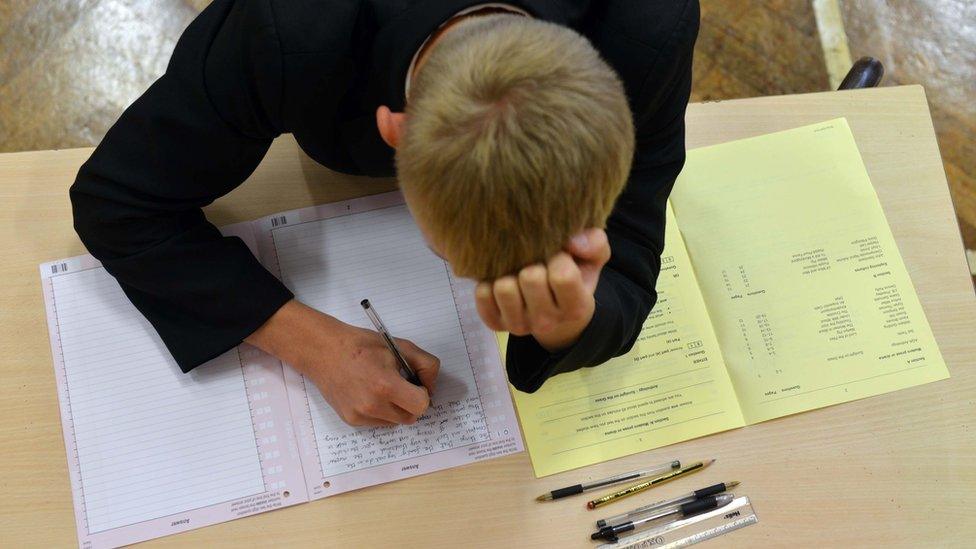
896, 469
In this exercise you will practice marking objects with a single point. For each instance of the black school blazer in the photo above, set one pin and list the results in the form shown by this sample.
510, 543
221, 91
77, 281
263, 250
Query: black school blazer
247, 71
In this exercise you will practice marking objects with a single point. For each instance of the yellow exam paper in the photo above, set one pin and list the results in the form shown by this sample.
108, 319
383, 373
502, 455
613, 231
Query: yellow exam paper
808, 295
672, 386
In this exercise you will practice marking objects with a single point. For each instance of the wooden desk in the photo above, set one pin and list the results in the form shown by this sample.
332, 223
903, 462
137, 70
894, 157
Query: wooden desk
863, 468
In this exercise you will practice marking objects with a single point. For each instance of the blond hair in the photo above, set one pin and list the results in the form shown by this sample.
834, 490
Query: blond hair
518, 135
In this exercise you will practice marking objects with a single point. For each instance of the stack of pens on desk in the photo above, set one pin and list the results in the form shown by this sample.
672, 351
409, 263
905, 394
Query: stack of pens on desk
656, 514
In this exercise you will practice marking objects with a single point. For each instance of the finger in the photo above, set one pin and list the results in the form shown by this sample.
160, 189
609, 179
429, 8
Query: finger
487, 307
393, 413
590, 246
387, 415
360, 420
510, 304
424, 364
539, 303
407, 417
408, 396
566, 282
373, 423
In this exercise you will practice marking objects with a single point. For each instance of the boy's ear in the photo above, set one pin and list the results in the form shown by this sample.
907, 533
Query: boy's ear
390, 125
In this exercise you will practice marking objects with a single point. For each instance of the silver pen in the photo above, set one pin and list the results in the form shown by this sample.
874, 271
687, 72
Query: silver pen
673, 513
405, 368
680, 500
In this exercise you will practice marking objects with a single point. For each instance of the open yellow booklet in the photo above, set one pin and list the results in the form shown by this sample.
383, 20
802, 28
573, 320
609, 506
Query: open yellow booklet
781, 290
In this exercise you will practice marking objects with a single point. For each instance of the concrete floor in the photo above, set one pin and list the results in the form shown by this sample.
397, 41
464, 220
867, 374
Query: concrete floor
933, 43
69, 67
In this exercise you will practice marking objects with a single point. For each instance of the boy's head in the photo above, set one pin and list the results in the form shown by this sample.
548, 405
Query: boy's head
517, 135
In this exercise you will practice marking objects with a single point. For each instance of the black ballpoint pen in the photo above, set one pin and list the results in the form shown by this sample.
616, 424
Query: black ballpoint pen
611, 533
405, 368
673, 502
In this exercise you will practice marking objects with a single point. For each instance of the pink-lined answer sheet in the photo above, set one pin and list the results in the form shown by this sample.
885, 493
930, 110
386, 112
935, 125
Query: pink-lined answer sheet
152, 451
333, 256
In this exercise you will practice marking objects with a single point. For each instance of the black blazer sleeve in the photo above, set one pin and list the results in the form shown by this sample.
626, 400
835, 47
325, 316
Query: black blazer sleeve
197, 133
625, 293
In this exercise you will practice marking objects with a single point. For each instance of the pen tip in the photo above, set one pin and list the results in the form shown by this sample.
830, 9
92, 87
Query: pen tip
544, 497
709, 462
589, 505
730, 485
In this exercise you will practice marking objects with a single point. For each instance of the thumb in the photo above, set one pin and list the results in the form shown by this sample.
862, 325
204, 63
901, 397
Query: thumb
424, 364
590, 246
591, 251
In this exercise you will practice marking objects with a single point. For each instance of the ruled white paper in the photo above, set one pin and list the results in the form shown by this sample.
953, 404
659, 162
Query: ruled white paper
150, 441
152, 451
332, 264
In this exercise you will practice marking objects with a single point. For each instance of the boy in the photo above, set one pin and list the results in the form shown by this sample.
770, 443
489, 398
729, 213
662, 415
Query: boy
516, 141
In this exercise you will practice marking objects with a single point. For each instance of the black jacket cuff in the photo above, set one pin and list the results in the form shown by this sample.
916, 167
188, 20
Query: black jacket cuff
265, 297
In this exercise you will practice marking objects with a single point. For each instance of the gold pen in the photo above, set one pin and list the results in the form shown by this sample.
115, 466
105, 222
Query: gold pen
640, 487
616, 479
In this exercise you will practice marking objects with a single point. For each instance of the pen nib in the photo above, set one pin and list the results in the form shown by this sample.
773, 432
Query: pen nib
731, 485
544, 497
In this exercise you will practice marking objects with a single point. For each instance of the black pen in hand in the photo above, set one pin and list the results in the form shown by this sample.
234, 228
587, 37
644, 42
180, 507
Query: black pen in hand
405, 368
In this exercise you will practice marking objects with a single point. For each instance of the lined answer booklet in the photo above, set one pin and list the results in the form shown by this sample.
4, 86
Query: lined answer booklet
781, 290
153, 451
